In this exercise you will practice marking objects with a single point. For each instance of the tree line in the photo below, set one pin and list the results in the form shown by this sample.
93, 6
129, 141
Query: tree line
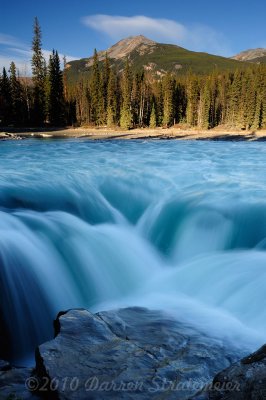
38, 100
131, 99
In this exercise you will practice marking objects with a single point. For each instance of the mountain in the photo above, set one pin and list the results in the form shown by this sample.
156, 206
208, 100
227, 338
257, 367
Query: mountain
156, 58
253, 55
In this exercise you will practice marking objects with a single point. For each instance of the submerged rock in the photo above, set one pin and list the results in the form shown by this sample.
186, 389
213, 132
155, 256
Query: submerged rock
130, 353
244, 380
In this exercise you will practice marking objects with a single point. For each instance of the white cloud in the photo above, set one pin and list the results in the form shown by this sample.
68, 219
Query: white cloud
117, 26
23, 67
9, 40
194, 37
21, 54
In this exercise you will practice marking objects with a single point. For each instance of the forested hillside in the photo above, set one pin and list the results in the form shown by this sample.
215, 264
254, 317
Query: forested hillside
130, 98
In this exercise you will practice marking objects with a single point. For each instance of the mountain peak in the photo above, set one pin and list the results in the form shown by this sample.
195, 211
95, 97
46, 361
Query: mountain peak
253, 55
136, 40
156, 59
125, 46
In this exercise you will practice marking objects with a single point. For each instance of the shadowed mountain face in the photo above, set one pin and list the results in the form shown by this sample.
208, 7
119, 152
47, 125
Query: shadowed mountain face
252, 55
155, 58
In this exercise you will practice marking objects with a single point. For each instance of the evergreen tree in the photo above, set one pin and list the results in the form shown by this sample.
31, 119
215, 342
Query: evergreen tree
192, 89
38, 76
262, 90
204, 106
112, 106
180, 102
5, 99
168, 104
126, 109
159, 103
153, 122
136, 98
27, 101
222, 99
145, 102
18, 106
97, 101
56, 91
213, 95
83, 103
105, 82
248, 101
234, 104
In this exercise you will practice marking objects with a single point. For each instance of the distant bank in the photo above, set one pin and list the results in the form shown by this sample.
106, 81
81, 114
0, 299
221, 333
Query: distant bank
144, 133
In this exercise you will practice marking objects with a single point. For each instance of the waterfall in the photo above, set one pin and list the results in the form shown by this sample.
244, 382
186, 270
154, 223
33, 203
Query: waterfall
103, 225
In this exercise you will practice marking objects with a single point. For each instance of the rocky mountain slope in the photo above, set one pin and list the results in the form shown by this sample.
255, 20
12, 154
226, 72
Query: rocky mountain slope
155, 58
252, 55
125, 47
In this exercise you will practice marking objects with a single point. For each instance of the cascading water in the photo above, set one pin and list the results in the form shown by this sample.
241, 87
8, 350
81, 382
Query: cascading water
179, 226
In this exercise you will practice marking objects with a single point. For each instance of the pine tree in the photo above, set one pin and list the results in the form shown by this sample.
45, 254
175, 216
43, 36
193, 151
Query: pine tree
56, 103
136, 99
222, 99
234, 105
153, 122
18, 107
192, 100
168, 104
159, 103
27, 101
83, 103
180, 102
262, 90
38, 76
144, 105
5, 99
204, 106
105, 81
248, 100
213, 105
112, 101
97, 100
126, 109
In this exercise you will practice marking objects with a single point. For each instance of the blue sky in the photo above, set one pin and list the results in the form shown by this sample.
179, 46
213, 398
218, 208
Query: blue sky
76, 27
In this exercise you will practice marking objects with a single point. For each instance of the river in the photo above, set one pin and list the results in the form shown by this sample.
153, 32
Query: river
172, 225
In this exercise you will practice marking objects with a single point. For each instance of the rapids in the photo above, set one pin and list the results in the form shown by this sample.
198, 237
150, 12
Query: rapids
172, 225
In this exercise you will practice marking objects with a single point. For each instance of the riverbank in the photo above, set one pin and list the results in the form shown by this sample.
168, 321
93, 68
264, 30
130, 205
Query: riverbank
143, 133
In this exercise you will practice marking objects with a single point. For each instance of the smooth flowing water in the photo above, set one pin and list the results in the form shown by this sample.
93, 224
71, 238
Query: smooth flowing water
172, 225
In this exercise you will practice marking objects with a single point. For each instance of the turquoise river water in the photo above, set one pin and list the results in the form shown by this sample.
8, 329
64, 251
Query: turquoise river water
172, 225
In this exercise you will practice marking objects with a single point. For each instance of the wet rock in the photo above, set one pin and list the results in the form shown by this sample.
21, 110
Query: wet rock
9, 136
131, 353
14, 384
244, 380
4, 365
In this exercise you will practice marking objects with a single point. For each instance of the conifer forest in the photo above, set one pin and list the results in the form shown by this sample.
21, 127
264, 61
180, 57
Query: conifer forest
130, 99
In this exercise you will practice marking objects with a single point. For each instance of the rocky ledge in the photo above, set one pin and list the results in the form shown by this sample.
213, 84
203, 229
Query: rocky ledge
133, 353
9, 136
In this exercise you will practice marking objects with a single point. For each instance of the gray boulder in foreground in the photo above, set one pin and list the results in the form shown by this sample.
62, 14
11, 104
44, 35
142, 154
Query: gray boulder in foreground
131, 353
137, 354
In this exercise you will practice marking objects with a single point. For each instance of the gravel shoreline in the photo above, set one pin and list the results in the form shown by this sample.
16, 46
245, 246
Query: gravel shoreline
145, 133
